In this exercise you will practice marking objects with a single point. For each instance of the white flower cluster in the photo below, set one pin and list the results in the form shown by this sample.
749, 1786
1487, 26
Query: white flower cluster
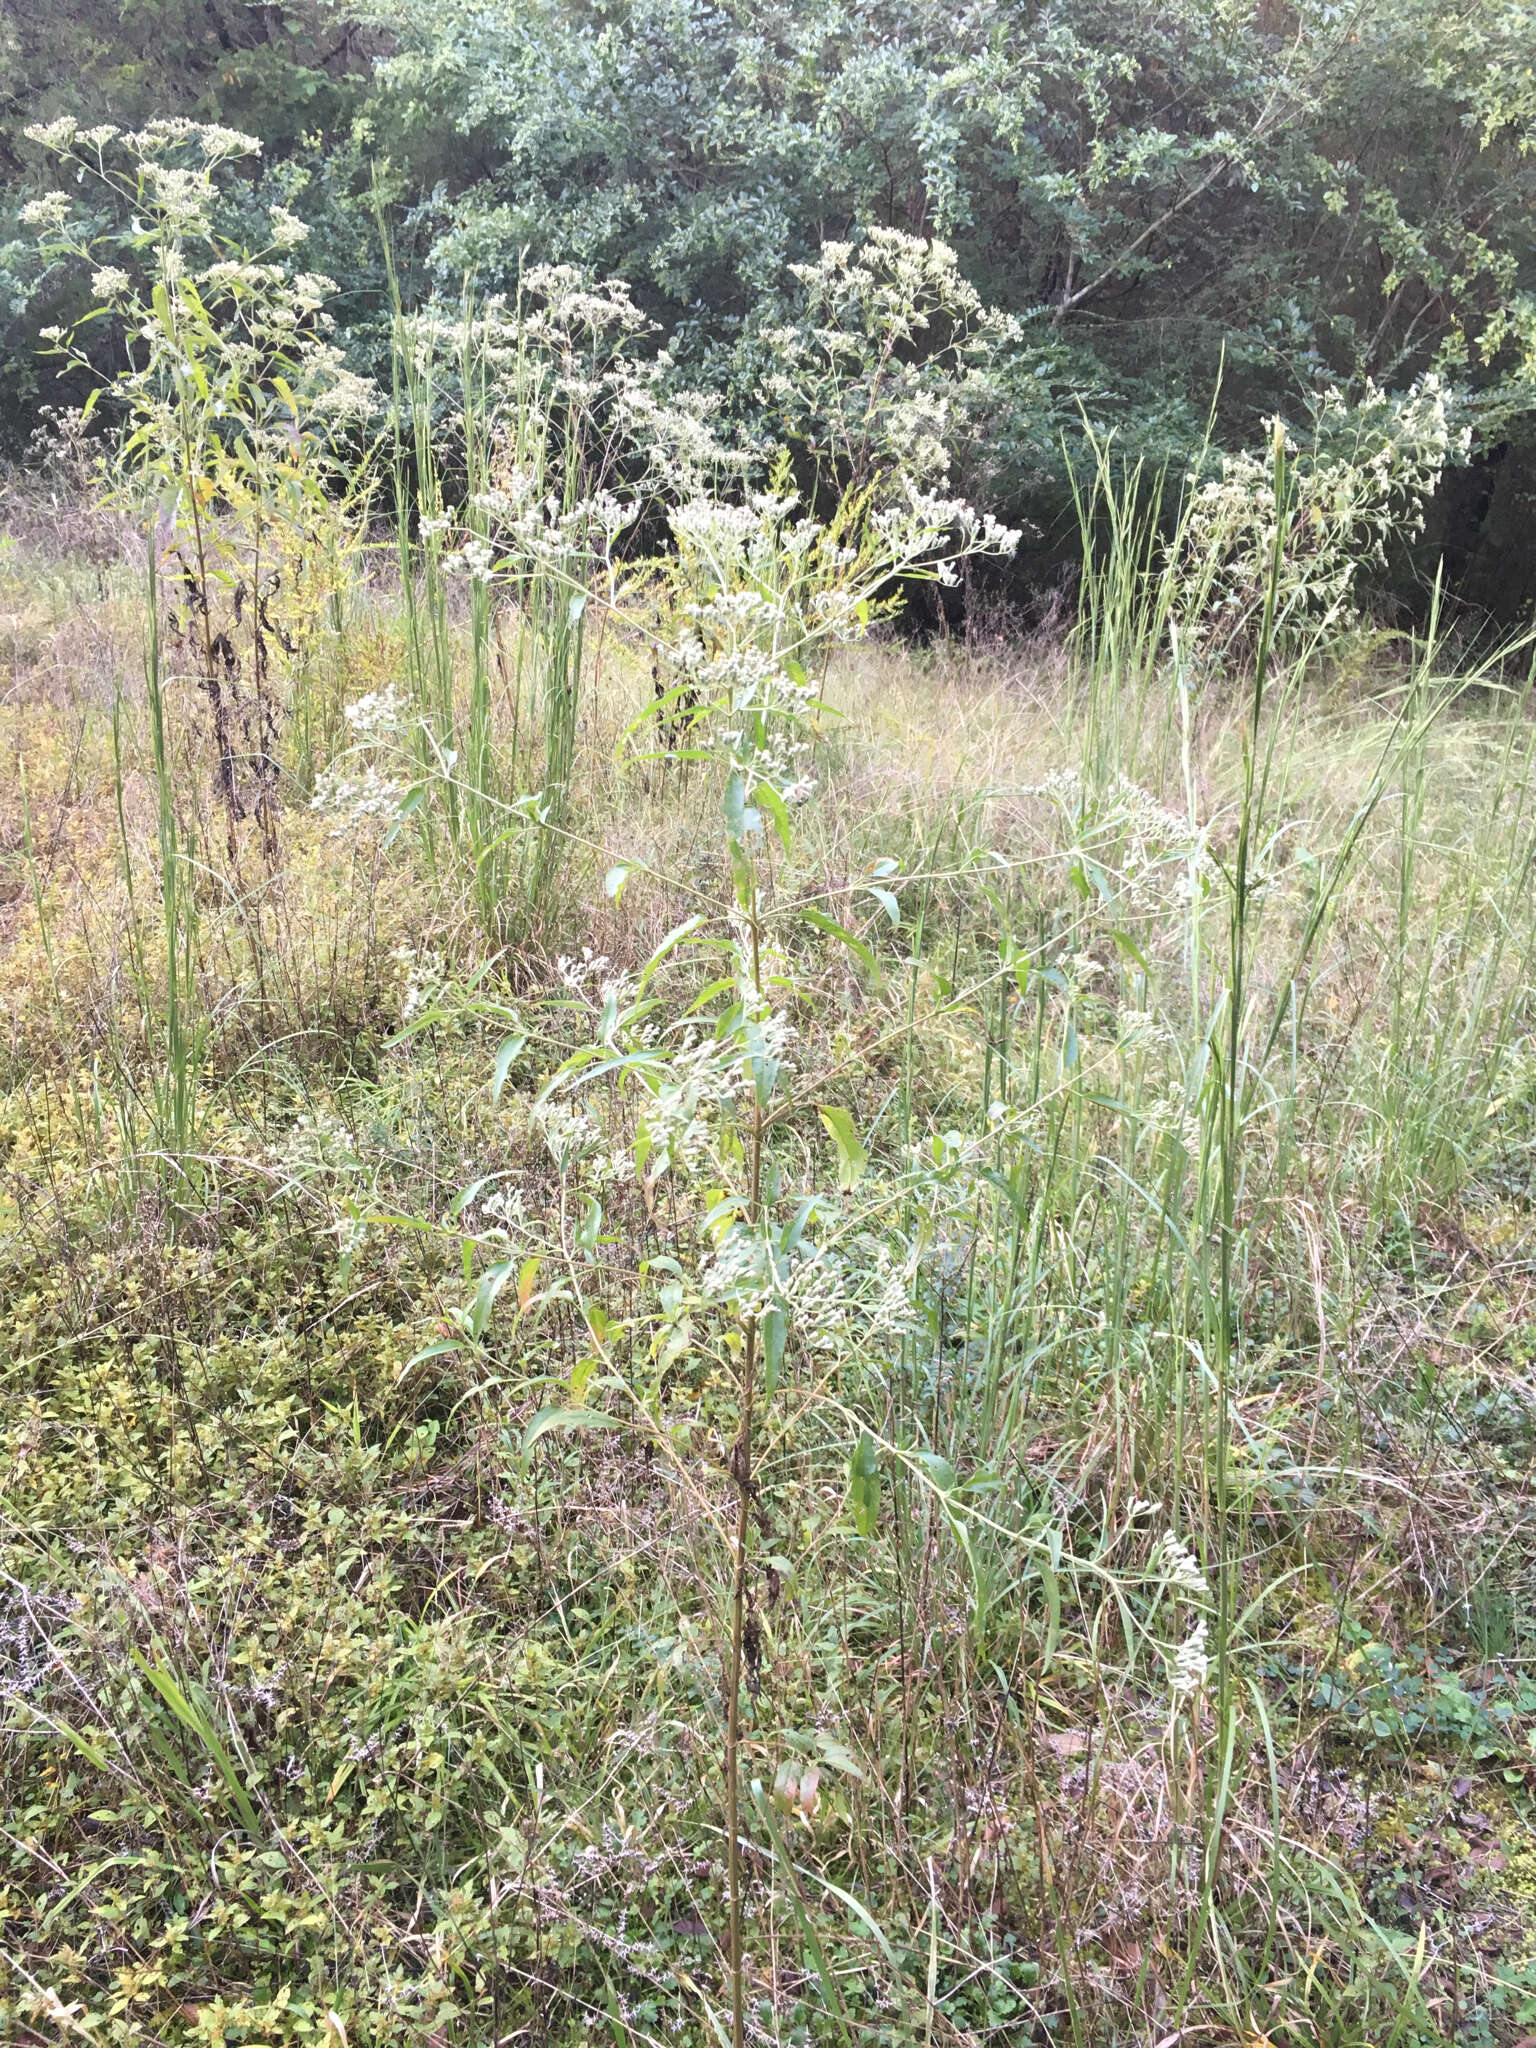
764, 592
476, 559
1190, 1664
860, 1298
590, 976
701, 1076
674, 434
378, 716
768, 1035
182, 197
50, 213
1177, 1563
891, 364
59, 134
319, 1138
924, 523
338, 394
287, 229
557, 370
355, 798
741, 1272
509, 532
1371, 469
505, 1210
1149, 831
215, 143
1127, 821
576, 972
573, 309
686, 1084
576, 1140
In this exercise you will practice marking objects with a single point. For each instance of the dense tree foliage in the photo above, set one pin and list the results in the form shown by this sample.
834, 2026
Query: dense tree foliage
1168, 196
1171, 200
296, 75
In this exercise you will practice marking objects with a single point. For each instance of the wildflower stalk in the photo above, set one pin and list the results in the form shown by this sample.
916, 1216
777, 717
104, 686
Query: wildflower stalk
741, 1468
1231, 1117
177, 1091
760, 595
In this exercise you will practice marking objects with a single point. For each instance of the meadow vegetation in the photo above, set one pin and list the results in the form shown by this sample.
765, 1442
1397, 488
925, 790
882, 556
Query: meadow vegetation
719, 1324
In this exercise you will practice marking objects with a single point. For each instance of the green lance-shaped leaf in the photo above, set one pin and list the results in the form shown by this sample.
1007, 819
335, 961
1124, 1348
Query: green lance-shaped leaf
834, 930
852, 1159
864, 1484
505, 1060
769, 799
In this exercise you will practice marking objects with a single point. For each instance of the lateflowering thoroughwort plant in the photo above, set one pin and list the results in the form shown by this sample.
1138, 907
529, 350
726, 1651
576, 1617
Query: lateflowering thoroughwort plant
236, 427
689, 1075
888, 371
530, 437
238, 424
764, 594
693, 1098
1371, 468
1176, 583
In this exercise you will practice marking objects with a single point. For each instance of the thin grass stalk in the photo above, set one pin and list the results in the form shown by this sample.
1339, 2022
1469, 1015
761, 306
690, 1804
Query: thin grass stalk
741, 1472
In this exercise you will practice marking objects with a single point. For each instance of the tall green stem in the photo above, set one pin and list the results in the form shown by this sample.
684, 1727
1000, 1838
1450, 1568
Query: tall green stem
741, 1470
